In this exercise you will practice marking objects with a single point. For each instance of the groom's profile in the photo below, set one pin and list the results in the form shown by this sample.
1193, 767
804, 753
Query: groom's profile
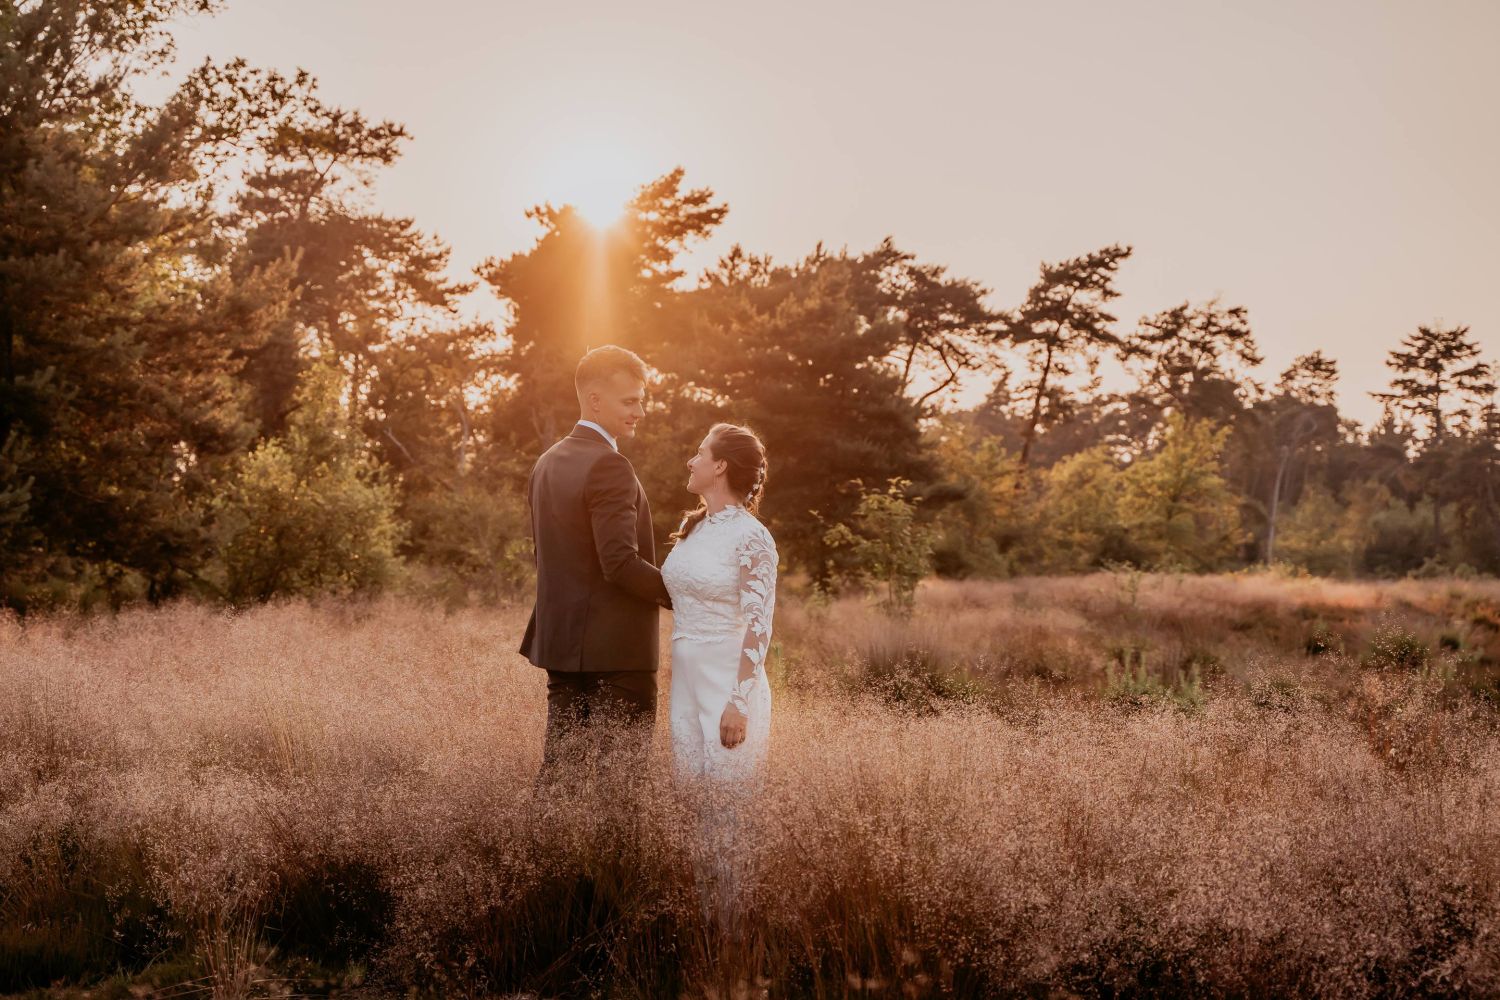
594, 625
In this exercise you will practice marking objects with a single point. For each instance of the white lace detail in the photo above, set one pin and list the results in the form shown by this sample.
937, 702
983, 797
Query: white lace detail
722, 579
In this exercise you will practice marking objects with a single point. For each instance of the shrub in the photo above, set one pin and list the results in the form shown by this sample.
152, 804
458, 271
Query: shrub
1322, 640
885, 546
1136, 688
471, 540
311, 512
1395, 647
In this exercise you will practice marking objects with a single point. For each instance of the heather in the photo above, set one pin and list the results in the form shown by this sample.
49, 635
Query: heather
1116, 784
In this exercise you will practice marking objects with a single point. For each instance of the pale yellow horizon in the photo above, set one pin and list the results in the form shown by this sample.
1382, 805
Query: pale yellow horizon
1330, 166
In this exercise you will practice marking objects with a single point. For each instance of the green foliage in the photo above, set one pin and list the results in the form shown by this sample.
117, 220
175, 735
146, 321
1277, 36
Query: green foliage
800, 354
1134, 687
15, 501
1175, 503
1314, 534
122, 330
987, 516
309, 512
1400, 537
474, 540
885, 546
1081, 514
167, 273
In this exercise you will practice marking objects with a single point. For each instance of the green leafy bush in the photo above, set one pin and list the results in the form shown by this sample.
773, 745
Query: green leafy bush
309, 512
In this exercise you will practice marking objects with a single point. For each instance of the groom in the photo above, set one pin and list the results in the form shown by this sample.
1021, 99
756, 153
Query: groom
594, 626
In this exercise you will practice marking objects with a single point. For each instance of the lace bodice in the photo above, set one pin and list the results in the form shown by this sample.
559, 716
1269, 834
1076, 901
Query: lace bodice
722, 578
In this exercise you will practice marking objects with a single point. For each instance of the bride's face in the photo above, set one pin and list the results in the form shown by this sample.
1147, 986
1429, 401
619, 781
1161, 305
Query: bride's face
703, 470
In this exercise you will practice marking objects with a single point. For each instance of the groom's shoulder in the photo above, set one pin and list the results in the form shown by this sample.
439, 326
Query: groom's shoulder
586, 453
577, 447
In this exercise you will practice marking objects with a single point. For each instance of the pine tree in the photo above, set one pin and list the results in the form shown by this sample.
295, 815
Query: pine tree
1195, 360
787, 350
580, 287
1441, 381
1437, 373
1062, 328
121, 331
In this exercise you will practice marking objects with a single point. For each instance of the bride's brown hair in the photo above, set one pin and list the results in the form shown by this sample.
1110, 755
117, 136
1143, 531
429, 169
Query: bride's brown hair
742, 449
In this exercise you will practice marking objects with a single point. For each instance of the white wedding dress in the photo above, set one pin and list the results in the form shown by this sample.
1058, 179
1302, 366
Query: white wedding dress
722, 578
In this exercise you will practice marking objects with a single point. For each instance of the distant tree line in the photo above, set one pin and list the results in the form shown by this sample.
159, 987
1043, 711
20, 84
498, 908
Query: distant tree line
223, 374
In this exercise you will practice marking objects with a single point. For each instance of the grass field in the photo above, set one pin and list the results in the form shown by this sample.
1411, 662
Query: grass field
1110, 785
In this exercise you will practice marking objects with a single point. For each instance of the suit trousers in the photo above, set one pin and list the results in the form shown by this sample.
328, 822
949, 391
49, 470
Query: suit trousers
579, 700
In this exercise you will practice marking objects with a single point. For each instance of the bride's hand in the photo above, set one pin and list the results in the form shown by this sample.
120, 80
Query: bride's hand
732, 727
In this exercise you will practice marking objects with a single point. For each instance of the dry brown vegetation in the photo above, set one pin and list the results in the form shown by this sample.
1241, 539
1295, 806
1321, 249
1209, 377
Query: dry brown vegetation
1107, 785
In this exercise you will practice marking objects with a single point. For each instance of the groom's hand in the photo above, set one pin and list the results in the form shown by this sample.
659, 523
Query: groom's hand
732, 727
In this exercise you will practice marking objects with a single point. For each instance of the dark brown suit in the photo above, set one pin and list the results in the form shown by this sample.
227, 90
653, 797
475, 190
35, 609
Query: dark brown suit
594, 625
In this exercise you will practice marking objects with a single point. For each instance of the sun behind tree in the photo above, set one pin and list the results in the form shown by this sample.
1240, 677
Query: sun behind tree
596, 187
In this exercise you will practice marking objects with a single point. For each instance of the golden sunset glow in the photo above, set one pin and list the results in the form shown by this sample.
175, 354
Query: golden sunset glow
596, 180
782, 500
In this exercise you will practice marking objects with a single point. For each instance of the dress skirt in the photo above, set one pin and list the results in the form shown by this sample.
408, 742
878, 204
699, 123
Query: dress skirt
704, 673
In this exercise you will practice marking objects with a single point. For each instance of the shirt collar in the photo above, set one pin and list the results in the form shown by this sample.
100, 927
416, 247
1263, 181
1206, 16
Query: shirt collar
607, 435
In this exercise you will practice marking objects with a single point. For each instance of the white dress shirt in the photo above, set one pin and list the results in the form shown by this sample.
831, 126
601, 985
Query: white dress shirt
607, 435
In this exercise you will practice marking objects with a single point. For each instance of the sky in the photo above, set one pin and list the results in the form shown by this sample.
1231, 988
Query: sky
1332, 166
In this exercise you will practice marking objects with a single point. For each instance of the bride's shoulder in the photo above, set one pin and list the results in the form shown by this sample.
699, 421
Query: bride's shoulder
753, 528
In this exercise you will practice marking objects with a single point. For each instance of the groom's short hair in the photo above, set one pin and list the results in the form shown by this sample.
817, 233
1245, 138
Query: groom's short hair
602, 362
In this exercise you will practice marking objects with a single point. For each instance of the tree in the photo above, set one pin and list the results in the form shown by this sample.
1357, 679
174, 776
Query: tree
1081, 514
1061, 326
1314, 536
1194, 361
579, 287
309, 512
1175, 502
122, 332
885, 545
984, 519
1436, 375
1104, 418
1300, 413
1311, 379
941, 325
787, 350
366, 282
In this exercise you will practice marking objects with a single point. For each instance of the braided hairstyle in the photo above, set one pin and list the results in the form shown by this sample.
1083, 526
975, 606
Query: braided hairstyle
746, 457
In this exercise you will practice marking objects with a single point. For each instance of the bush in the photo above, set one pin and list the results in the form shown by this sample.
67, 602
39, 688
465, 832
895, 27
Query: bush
885, 547
1323, 640
1135, 688
1395, 647
1176, 504
472, 540
311, 512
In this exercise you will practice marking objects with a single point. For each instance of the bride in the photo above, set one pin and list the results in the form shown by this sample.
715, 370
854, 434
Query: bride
721, 574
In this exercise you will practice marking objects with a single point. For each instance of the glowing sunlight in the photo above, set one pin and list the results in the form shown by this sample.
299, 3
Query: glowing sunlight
597, 183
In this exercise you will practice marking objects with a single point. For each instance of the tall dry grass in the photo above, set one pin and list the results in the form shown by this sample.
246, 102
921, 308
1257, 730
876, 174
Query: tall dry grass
301, 794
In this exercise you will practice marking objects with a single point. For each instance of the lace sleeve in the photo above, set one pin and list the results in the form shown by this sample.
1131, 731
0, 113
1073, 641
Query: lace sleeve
757, 559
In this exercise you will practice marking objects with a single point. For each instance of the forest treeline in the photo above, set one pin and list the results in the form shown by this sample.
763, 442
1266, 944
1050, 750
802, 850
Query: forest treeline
224, 374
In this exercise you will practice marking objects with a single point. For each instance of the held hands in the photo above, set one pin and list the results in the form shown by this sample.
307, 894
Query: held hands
732, 727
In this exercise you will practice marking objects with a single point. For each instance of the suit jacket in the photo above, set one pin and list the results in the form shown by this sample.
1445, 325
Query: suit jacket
597, 584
